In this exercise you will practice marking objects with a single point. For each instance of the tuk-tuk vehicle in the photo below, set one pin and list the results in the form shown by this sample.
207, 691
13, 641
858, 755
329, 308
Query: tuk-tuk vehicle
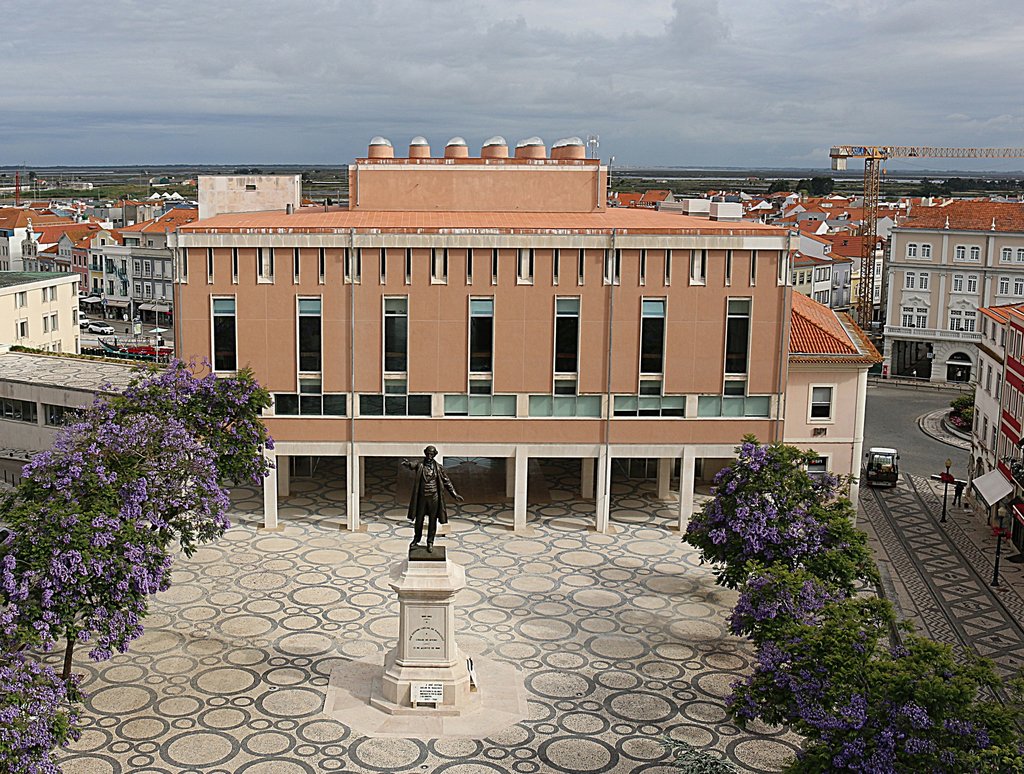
882, 466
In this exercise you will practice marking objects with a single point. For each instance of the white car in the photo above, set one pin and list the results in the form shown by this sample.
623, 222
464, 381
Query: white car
84, 322
96, 326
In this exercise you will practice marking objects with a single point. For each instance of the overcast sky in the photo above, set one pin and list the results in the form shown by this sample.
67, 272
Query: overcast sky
663, 82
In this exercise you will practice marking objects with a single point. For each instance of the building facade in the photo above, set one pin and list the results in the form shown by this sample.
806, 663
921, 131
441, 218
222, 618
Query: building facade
497, 308
944, 264
39, 310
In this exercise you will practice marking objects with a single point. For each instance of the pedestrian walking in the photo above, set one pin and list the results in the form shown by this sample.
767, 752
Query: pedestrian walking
958, 493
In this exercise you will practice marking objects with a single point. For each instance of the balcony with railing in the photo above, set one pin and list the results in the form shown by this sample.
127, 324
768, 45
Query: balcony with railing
931, 334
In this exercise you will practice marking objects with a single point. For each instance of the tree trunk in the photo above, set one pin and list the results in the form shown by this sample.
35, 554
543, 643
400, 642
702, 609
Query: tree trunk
69, 651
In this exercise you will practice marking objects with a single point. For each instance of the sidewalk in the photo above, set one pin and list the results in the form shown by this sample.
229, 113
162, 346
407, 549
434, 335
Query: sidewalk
931, 424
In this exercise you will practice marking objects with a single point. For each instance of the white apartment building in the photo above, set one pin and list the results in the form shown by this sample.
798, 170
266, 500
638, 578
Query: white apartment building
945, 263
39, 310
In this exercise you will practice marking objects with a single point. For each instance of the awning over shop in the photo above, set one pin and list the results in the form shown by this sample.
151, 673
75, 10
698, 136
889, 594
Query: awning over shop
1018, 513
154, 307
992, 487
90, 300
118, 304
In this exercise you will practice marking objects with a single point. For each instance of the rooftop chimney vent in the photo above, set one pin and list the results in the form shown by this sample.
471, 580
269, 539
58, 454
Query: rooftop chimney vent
456, 149
531, 148
380, 148
419, 148
494, 148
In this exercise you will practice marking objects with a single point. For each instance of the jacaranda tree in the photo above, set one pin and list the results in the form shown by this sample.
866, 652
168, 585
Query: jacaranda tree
97, 519
824, 660
768, 509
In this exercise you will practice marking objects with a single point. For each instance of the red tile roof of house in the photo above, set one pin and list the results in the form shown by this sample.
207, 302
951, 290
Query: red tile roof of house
627, 198
625, 219
18, 217
170, 220
818, 334
970, 216
50, 234
658, 195
849, 245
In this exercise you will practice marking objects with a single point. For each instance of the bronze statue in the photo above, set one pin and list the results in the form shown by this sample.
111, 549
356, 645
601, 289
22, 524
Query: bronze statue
427, 499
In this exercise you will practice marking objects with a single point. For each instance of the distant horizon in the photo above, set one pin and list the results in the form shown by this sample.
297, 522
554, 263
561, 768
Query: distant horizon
849, 174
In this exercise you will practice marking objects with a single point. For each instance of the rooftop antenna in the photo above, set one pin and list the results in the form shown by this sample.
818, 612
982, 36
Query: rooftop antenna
593, 142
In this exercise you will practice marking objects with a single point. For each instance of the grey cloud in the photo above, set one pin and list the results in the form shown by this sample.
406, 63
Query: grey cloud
668, 81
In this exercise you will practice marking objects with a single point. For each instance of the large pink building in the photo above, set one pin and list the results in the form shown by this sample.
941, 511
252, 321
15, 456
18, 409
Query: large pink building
495, 307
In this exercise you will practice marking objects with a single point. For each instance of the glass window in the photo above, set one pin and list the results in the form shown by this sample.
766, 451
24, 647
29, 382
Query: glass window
972, 283
396, 332
265, 264
960, 253
209, 265
469, 266
1004, 286
652, 336
295, 266
737, 336
909, 279
698, 267
567, 331
926, 251
225, 356
439, 265
1006, 254
234, 265
481, 335
524, 273
923, 280
911, 250
556, 265
494, 266
310, 334
958, 283
821, 403
975, 253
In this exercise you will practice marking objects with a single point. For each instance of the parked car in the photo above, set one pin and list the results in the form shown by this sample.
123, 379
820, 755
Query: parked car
882, 466
97, 326
84, 322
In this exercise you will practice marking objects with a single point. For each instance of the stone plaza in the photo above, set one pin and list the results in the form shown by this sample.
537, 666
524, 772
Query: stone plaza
622, 639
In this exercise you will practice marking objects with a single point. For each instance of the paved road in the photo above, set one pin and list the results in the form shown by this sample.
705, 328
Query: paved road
891, 420
937, 575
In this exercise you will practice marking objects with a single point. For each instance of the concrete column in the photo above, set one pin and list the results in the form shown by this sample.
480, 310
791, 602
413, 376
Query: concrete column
664, 477
352, 484
522, 463
587, 478
510, 476
686, 471
284, 475
270, 497
604, 491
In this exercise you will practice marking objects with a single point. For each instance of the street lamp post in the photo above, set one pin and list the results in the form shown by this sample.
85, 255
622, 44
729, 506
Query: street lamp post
946, 478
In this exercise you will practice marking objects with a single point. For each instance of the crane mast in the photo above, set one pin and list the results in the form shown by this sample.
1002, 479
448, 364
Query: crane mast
873, 156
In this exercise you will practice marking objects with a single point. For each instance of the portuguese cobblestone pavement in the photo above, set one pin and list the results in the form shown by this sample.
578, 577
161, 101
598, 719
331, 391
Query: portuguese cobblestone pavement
938, 575
622, 639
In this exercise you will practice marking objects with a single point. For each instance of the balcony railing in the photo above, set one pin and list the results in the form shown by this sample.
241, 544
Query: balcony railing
931, 333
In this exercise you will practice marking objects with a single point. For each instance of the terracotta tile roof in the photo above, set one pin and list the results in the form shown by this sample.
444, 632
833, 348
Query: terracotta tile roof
659, 195
627, 198
18, 217
1001, 312
819, 334
849, 245
970, 216
50, 234
171, 220
624, 219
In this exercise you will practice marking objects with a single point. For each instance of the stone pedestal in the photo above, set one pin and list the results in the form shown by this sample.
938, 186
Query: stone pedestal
427, 655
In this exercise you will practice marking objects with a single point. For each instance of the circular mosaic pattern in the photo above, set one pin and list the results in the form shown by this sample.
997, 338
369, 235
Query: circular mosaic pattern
622, 639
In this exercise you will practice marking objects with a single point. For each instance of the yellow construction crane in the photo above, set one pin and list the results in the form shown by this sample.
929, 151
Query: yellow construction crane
873, 156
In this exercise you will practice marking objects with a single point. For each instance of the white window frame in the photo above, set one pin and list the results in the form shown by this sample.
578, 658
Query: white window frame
958, 283
926, 250
911, 249
923, 280
972, 283
1004, 286
830, 419
698, 267
909, 280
